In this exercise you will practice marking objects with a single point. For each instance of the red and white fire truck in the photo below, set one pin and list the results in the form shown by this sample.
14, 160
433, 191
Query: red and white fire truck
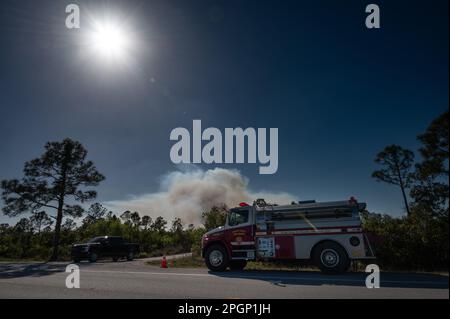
329, 234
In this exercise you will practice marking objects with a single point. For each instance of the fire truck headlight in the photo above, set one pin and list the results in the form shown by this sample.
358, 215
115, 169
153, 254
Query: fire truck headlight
354, 241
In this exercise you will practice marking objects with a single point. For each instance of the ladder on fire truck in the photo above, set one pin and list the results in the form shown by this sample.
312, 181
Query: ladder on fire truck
309, 209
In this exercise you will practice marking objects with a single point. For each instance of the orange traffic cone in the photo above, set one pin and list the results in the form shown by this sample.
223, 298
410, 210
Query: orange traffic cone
164, 262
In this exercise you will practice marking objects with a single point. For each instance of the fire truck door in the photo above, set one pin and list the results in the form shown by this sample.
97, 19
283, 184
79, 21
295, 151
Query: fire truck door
239, 234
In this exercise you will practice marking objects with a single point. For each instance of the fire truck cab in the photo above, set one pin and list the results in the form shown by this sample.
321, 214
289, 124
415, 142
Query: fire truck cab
328, 234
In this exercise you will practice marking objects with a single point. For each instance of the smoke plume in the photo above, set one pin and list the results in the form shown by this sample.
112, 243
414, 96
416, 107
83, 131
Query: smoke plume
186, 194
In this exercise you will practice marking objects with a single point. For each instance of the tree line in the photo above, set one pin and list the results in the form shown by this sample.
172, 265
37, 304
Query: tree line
33, 237
420, 239
55, 185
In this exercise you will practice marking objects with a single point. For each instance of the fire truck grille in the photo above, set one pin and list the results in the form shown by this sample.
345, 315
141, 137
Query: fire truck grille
238, 254
243, 247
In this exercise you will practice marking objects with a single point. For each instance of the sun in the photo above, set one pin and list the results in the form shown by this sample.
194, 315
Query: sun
110, 41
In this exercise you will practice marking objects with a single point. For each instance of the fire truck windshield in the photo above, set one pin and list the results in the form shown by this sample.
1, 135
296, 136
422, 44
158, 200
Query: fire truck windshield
237, 217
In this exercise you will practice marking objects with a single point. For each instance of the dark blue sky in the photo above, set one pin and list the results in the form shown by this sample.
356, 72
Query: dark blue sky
337, 91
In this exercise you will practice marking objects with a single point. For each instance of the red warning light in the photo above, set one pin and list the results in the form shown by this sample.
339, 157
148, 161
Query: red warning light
243, 204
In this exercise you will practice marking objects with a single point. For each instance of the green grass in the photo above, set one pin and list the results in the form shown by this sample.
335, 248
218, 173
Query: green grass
18, 260
184, 262
198, 262
259, 265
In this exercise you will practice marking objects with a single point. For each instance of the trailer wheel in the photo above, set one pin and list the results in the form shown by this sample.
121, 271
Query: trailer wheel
216, 258
238, 264
331, 258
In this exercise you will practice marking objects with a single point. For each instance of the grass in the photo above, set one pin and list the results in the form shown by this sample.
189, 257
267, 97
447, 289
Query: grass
198, 262
183, 262
19, 260
259, 265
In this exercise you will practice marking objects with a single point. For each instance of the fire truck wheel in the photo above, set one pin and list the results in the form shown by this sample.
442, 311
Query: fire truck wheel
331, 258
216, 258
238, 264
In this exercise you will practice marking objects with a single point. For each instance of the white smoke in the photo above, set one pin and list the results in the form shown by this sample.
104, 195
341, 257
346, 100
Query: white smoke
186, 194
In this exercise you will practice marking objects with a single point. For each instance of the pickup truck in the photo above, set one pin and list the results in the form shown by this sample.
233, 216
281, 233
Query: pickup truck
104, 246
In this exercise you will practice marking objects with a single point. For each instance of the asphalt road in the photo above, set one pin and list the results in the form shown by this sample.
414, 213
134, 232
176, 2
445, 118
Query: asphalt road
106, 279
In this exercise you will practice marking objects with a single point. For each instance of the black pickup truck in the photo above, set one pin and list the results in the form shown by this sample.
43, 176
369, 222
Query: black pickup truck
104, 246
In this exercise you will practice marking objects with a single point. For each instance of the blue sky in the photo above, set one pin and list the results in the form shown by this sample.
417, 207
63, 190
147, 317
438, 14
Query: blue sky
337, 92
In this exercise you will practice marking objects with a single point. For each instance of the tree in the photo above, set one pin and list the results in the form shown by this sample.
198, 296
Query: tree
397, 163
413, 242
177, 226
126, 217
135, 219
95, 212
159, 225
178, 235
215, 217
3, 227
146, 221
60, 174
39, 220
24, 229
68, 225
435, 145
431, 188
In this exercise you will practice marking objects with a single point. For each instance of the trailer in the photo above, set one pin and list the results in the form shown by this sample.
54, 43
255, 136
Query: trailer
327, 234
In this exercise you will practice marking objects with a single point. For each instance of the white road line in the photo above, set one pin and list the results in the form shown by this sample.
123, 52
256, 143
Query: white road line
265, 277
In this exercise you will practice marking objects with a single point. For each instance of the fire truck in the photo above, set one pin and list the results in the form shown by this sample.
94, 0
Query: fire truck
328, 234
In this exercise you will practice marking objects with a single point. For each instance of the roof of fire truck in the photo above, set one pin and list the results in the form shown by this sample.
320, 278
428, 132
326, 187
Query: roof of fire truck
310, 206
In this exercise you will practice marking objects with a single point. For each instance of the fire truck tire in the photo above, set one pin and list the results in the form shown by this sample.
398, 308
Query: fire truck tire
331, 258
216, 258
238, 264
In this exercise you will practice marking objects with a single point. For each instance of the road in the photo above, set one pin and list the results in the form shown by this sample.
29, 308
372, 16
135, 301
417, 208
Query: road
134, 279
